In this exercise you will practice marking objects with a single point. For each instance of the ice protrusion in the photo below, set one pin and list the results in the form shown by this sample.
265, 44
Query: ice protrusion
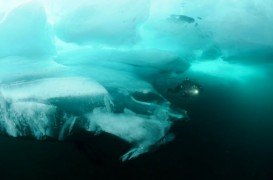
67, 127
49, 107
24, 31
142, 132
117, 69
110, 22
155, 59
52, 88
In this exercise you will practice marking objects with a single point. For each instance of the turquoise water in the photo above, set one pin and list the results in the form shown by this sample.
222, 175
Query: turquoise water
136, 89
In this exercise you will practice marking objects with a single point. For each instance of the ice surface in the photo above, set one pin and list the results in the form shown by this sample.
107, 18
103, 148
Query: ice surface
224, 70
21, 68
239, 28
105, 66
44, 89
145, 64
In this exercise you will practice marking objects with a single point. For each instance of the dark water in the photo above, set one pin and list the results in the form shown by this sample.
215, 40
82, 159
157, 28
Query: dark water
228, 137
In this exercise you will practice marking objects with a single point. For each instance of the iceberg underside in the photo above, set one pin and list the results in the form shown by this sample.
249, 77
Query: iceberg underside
67, 65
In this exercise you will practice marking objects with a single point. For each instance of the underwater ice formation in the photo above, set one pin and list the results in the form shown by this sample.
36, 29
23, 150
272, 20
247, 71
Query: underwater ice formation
24, 31
103, 66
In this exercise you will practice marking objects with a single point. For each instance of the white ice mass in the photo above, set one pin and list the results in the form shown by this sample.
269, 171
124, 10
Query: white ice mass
104, 66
